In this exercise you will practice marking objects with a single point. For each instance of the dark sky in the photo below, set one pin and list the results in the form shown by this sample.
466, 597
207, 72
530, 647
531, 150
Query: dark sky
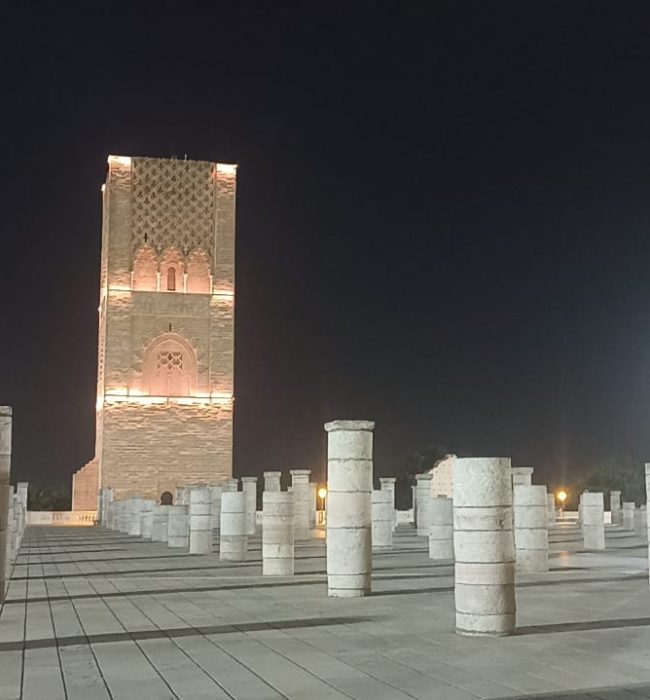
443, 218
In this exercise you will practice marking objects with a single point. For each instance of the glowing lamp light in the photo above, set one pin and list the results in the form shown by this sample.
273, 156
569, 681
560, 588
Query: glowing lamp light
561, 496
322, 493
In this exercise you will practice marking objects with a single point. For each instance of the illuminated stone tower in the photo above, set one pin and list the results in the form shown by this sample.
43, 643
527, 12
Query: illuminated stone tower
166, 325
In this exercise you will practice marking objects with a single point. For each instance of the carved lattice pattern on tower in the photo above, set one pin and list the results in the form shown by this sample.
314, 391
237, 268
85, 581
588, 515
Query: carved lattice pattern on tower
170, 362
173, 204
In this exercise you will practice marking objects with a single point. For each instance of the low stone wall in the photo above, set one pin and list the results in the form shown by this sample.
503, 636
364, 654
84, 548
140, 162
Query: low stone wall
79, 518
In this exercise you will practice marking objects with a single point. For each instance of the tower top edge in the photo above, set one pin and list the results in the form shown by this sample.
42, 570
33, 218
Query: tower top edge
128, 160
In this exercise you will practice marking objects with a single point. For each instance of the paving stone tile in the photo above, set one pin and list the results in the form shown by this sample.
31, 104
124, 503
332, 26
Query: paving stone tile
105, 615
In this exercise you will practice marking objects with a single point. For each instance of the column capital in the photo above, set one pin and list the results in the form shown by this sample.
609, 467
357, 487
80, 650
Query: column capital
349, 425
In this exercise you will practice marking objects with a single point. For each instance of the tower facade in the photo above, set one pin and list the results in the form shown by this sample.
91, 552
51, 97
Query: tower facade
166, 325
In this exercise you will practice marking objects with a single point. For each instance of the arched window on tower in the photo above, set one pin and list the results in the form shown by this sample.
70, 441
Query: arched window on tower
171, 271
169, 367
171, 279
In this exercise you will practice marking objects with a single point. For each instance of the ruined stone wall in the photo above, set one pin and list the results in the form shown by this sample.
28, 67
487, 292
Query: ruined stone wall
442, 477
85, 485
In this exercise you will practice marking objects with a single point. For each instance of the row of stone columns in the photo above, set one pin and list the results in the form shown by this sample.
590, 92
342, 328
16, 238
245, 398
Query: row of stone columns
6, 498
592, 517
534, 512
190, 522
13, 505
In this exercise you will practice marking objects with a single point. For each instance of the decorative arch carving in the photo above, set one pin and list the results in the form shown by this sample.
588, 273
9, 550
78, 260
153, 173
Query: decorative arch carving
145, 270
169, 366
171, 271
198, 273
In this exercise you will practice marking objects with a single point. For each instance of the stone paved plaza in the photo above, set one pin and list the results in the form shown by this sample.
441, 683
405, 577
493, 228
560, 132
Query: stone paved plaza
94, 614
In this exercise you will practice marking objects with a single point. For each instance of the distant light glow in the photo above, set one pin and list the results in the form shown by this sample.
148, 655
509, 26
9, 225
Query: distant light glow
322, 492
561, 496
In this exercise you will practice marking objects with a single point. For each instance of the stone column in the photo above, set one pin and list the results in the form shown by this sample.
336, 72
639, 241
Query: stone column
580, 509
593, 520
230, 486
484, 547
10, 534
615, 507
531, 533
522, 476
22, 489
110, 515
178, 526
200, 520
5, 497
640, 522
215, 496
233, 541
628, 515
313, 496
101, 516
550, 510
272, 482
414, 505
382, 520
277, 533
423, 497
18, 522
6, 537
160, 523
134, 522
441, 532
105, 499
249, 489
349, 508
123, 515
146, 519
300, 483
387, 483
647, 490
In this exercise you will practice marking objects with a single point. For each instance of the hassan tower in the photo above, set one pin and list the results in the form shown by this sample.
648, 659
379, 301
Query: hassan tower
166, 329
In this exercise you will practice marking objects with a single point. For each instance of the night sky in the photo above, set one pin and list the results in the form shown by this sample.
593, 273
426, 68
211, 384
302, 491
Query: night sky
443, 218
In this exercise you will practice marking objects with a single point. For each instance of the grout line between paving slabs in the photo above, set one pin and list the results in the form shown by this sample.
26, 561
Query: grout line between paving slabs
451, 666
58, 650
367, 673
172, 640
211, 641
88, 644
135, 641
256, 641
321, 651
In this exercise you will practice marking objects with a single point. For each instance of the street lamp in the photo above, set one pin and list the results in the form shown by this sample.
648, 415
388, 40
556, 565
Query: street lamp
322, 494
561, 496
